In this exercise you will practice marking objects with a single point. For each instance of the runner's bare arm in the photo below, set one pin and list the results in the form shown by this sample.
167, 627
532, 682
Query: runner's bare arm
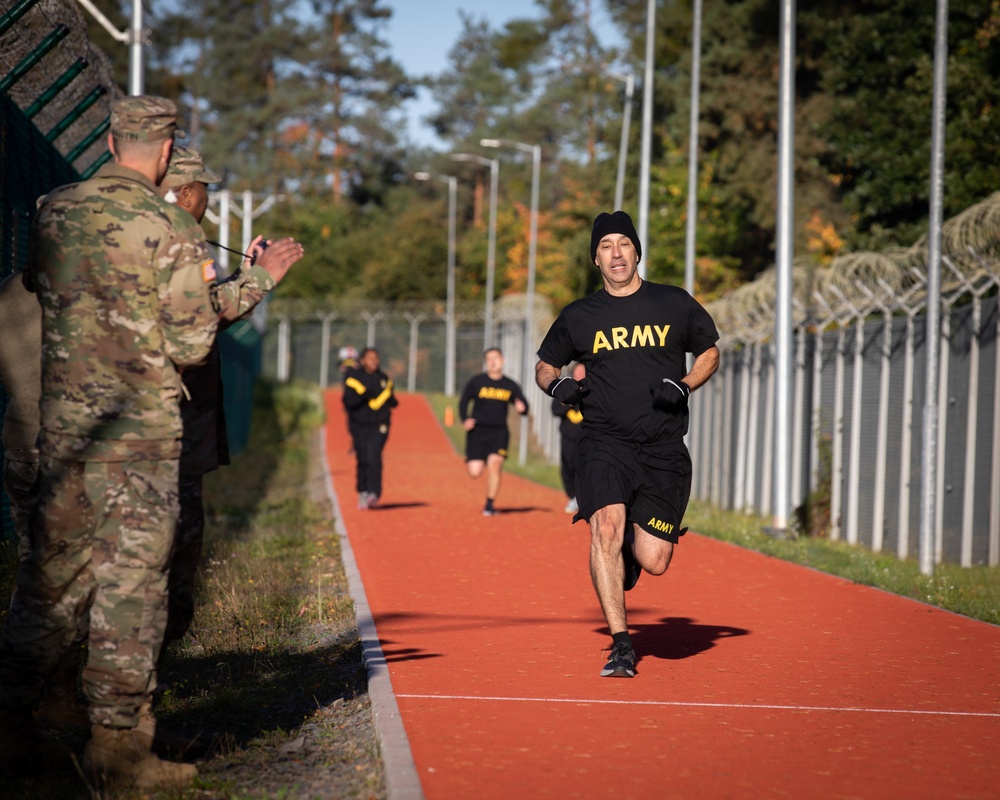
545, 374
704, 367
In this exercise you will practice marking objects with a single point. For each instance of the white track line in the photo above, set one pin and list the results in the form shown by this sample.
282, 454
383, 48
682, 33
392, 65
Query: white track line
756, 706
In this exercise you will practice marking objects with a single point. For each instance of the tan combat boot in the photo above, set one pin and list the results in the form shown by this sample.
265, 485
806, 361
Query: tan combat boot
117, 756
145, 731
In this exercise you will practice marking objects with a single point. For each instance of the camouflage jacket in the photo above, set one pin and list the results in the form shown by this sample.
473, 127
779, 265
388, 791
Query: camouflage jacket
127, 294
240, 293
20, 362
205, 444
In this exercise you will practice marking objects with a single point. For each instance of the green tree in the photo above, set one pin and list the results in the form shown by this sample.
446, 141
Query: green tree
238, 85
354, 113
477, 91
877, 68
543, 81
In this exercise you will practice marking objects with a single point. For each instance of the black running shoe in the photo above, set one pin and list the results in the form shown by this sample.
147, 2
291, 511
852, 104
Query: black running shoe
632, 568
621, 664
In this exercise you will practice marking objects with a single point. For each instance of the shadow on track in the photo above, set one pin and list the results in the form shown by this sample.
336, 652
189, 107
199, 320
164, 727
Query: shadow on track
677, 638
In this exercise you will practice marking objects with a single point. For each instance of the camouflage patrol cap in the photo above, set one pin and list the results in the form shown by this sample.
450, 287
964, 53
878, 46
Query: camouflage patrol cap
144, 118
187, 166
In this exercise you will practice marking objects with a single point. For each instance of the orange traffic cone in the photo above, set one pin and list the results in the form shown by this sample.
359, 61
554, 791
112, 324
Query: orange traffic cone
449, 417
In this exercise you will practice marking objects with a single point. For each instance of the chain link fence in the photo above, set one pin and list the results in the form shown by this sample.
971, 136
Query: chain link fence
304, 338
858, 393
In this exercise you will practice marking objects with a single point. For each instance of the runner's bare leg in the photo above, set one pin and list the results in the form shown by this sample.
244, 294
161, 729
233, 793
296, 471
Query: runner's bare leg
652, 553
494, 473
607, 569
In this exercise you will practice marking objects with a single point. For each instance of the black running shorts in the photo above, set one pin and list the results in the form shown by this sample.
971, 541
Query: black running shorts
654, 487
482, 441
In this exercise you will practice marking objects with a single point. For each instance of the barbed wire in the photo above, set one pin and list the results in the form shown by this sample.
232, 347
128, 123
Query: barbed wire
862, 282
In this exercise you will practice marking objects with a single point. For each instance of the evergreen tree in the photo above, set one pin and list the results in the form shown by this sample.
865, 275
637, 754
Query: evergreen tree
354, 113
877, 68
240, 87
479, 90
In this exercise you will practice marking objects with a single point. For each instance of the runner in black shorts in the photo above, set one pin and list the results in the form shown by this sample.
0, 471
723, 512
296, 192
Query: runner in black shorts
570, 418
633, 469
489, 394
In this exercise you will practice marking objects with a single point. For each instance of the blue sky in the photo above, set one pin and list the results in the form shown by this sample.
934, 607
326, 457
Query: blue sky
421, 32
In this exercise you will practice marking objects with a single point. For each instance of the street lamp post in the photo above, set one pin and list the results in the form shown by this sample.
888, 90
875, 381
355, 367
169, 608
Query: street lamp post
629, 79
136, 73
529, 311
491, 253
692, 200
647, 130
449, 354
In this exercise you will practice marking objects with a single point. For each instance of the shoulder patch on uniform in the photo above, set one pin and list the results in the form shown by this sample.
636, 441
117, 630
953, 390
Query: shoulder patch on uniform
208, 270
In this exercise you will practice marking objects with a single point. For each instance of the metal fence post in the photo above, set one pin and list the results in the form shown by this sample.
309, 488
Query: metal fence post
284, 346
411, 372
324, 350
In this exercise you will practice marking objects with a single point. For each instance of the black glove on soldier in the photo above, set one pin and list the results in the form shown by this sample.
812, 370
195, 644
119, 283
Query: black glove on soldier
566, 391
669, 395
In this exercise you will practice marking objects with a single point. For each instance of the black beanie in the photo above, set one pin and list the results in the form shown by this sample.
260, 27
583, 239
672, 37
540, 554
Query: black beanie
619, 222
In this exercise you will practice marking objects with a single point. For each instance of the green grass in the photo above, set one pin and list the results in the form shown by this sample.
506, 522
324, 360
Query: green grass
974, 591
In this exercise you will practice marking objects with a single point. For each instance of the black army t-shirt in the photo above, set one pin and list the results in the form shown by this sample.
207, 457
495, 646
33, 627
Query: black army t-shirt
489, 398
628, 345
368, 397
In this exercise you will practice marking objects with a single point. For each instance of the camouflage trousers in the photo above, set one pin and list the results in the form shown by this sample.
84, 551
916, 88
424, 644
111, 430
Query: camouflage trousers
184, 561
20, 471
20, 483
103, 533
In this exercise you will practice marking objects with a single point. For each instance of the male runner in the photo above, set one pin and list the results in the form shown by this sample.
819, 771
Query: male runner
487, 435
634, 471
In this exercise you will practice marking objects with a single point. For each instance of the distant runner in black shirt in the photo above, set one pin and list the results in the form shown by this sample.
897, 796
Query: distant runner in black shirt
570, 418
369, 400
487, 435
633, 469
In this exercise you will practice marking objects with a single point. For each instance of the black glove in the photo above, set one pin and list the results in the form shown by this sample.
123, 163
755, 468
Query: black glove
566, 390
670, 395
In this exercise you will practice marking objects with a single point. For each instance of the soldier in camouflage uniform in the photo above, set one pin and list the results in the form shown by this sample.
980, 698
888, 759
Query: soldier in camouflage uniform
20, 373
127, 294
205, 446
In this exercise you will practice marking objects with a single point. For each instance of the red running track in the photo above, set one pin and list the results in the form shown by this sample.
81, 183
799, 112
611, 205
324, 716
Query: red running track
757, 678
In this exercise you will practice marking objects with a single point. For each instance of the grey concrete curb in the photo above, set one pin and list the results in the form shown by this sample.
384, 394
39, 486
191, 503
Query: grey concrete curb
401, 779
